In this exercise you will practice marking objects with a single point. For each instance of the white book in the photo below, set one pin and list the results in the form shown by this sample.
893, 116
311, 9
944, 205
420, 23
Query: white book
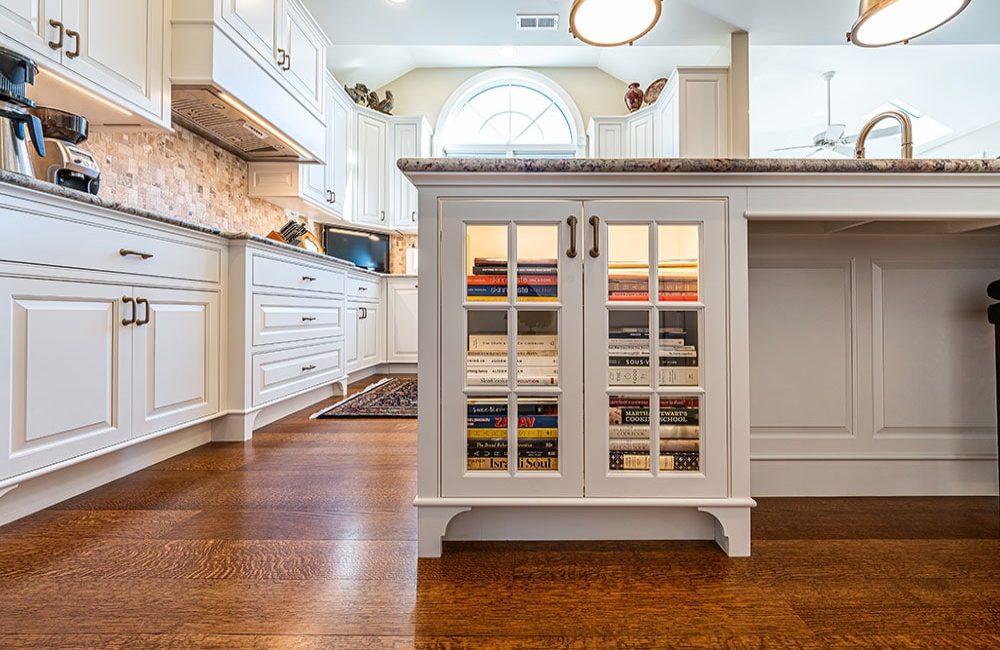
679, 376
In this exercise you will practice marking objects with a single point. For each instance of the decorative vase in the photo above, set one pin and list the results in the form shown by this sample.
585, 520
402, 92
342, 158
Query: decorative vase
634, 97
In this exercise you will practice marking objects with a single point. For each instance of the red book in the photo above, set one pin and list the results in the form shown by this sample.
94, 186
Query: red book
679, 297
538, 279
496, 280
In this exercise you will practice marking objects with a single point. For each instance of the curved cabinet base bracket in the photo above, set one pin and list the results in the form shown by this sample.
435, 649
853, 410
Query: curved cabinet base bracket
732, 529
234, 427
432, 522
4, 491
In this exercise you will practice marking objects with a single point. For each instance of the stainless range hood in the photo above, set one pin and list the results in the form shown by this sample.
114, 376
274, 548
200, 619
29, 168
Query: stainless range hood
217, 117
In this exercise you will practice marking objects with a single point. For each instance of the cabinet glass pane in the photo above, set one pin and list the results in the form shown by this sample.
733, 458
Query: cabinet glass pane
486, 263
537, 266
486, 433
538, 434
628, 433
537, 348
680, 434
628, 348
679, 253
486, 348
628, 262
678, 348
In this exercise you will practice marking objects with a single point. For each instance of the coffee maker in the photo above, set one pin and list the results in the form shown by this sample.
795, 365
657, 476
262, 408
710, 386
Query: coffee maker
65, 162
17, 124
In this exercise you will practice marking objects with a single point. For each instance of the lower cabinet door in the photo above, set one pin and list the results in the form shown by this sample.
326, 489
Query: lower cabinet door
353, 334
370, 339
175, 358
287, 372
64, 371
401, 339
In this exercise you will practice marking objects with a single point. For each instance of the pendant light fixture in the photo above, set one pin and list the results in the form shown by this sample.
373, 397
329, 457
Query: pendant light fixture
888, 22
609, 23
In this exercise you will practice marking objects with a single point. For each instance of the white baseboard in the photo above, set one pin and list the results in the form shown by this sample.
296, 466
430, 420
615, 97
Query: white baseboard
849, 478
47, 490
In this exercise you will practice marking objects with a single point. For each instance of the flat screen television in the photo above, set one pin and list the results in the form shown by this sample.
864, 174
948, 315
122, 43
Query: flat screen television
366, 250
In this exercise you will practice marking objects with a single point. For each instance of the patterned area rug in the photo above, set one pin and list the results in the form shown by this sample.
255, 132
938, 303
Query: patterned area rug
392, 397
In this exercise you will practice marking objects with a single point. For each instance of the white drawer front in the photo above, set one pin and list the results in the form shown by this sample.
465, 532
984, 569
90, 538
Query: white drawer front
283, 373
60, 242
292, 274
283, 319
363, 288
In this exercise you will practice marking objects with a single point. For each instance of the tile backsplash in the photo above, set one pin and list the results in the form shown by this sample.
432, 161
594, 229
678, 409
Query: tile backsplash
180, 174
397, 252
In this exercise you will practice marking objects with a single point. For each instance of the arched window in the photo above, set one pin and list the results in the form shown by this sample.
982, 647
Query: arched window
510, 113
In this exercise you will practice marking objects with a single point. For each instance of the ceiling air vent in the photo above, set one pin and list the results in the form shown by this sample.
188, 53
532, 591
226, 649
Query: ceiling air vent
535, 22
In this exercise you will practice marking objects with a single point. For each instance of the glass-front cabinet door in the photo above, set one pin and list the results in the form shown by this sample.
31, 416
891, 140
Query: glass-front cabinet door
512, 348
655, 349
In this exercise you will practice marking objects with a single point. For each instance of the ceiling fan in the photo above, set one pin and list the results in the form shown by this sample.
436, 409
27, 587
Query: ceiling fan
833, 138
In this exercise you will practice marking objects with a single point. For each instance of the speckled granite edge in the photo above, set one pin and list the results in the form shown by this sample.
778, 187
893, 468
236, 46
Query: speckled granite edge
699, 165
32, 183
19, 180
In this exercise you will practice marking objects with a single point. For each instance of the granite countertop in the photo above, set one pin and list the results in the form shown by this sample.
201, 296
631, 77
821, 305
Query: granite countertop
30, 182
699, 165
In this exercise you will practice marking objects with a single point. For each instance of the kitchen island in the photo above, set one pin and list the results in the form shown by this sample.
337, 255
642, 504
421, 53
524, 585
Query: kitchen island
591, 332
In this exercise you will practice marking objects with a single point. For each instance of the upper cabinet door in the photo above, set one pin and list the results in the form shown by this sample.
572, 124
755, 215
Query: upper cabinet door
175, 371
256, 21
338, 127
405, 138
372, 134
118, 45
66, 382
304, 54
26, 22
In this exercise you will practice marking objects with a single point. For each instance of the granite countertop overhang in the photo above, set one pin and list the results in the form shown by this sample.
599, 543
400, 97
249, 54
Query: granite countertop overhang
29, 182
698, 166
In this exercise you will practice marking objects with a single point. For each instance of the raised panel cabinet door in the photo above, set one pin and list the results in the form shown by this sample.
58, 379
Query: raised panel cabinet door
305, 50
405, 138
118, 45
256, 21
370, 338
65, 379
338, 130
656, 360
402, 319
372, 133
26, 23
511, 332
640, 137
175, 358
352, 337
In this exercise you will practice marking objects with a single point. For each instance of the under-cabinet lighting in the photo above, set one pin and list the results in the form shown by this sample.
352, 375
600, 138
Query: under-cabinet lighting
264, 124
80, 89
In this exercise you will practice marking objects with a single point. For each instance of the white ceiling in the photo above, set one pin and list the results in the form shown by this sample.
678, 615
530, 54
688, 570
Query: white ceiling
376, 41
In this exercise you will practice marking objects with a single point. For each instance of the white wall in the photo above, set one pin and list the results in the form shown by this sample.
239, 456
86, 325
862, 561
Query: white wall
984, 143
424, 91
872, 367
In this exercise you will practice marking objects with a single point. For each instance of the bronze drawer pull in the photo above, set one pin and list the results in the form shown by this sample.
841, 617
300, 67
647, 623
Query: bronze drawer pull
127, 300
308, 368
308, 319
572, 221
57, 45
595, 221
288, 61
76, 51
306, 278
280, 59
125, 252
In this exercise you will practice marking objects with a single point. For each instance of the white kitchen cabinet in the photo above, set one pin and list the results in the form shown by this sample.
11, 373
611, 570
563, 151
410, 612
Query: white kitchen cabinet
118, 49
304, 57
67, 391
372, 168
175, 358
255, 21
352, 336
401, 319
641, 134
606, 136
371, 343
339, 125
411, 138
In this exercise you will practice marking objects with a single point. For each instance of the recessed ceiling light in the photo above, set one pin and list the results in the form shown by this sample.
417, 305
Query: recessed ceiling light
508, 52
888, 22
609, 23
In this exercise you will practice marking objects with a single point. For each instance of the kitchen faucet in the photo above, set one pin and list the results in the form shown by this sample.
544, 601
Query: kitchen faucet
904, 122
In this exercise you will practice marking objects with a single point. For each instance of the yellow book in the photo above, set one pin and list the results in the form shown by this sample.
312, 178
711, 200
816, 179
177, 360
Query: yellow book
538, 464
492, 464
533, 434
486, 434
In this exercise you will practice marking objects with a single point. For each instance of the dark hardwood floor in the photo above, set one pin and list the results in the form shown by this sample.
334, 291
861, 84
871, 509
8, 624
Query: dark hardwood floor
304, 538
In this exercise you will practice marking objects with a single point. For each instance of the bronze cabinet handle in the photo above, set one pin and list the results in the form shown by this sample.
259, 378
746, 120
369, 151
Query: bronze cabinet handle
288, 61
595, 221
145, 303
57, 45
280, 59
125, 252
308, 368
333, 196
413, 216
72, 33
127, 300
571, 222
382, 215
308, 319
308, 278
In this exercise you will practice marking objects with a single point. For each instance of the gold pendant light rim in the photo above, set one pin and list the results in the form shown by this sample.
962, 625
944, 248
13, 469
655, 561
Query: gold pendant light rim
572, 26
869, 8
